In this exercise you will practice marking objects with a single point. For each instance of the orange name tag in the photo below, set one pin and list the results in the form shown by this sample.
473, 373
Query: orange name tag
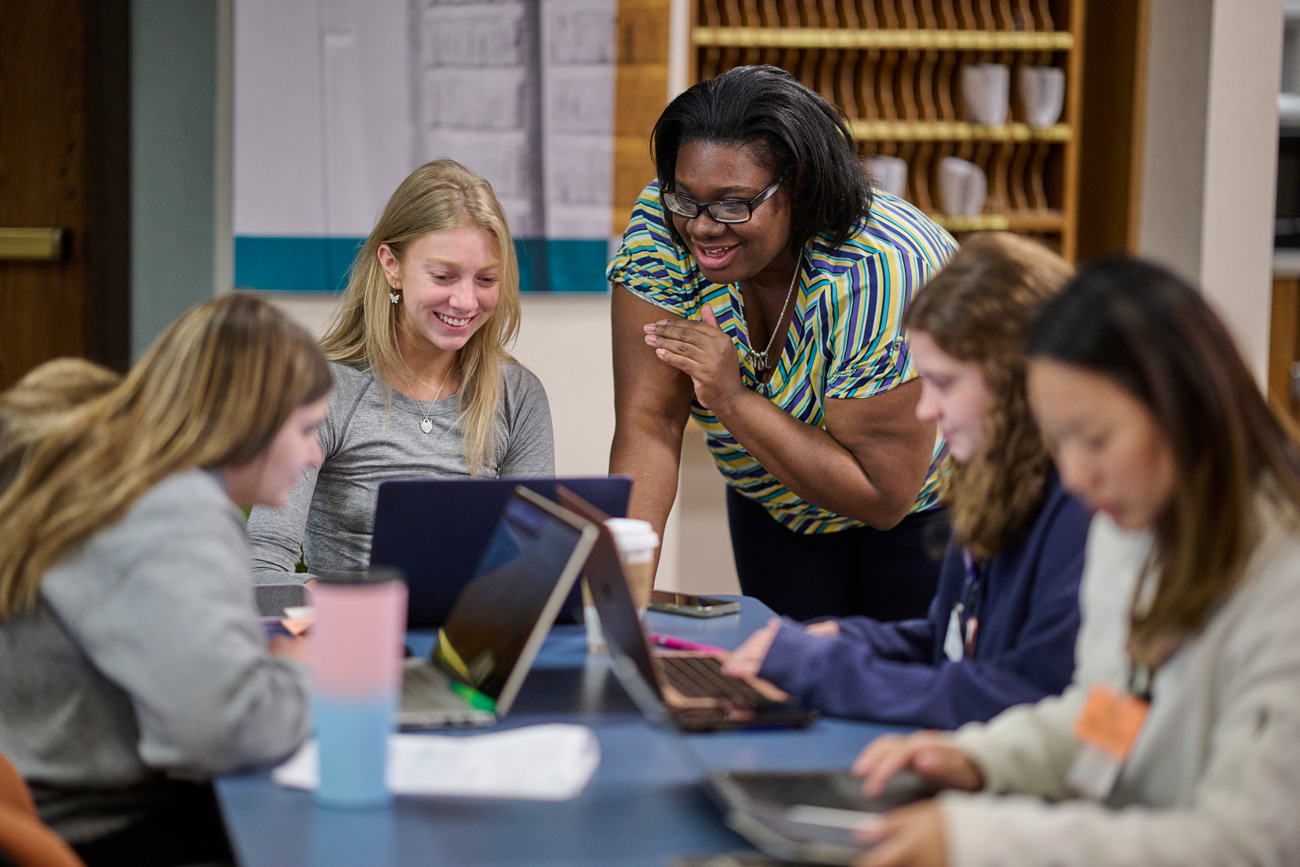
1111, 721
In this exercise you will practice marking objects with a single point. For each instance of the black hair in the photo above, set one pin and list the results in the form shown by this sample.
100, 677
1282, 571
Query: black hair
798, 134
1154, 335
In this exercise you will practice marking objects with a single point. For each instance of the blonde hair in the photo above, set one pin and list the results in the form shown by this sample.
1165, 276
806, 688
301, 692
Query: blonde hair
979, 309
33, 405
438, 195
213, 391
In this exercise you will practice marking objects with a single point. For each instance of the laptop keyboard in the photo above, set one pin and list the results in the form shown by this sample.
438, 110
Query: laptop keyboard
702, 677
428, 701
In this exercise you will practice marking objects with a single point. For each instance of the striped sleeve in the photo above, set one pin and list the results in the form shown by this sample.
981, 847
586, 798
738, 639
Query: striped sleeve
650, 264
867, 346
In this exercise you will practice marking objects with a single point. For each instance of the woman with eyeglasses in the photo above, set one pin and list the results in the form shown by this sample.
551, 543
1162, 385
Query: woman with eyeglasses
760, 289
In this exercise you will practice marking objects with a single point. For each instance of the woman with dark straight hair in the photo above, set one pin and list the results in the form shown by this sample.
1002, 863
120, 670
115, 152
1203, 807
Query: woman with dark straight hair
1176, 742
760, 290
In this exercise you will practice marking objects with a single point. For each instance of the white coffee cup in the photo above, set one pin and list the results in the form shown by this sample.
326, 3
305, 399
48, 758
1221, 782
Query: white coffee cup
637, 543
986, 91
962, 187
888, 174
1042, 94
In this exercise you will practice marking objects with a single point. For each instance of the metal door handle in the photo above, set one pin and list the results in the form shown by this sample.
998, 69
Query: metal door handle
31, 245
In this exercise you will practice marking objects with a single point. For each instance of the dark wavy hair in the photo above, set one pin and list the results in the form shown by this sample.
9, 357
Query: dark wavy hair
1153, 335
790, 129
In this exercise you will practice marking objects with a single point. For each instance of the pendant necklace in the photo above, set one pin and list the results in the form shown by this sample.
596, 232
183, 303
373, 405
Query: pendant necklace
426, 423
759, 360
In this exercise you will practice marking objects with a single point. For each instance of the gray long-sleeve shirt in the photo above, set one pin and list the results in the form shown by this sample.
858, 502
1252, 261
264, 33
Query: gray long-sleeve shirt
144, 655
331, 512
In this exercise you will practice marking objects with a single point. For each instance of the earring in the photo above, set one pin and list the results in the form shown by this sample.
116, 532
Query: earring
394, 296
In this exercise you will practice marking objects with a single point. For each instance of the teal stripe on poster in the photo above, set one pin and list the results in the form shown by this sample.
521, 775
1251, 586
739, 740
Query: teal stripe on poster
309, 264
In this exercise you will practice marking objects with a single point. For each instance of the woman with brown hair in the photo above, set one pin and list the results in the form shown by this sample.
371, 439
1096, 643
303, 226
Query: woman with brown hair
124, 591
1001, 629
1176, 743
425, 386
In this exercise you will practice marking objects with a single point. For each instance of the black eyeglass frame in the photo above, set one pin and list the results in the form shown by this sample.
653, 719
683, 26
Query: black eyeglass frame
676, 203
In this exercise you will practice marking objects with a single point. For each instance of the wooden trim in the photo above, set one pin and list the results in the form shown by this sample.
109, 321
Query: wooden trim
1283, 343
1073, 111
884, 130
883, 39
640, 94
1138, 120
1111, 130
108, 184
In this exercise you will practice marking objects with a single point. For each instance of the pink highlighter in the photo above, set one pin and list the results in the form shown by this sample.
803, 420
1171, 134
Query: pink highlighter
672, 643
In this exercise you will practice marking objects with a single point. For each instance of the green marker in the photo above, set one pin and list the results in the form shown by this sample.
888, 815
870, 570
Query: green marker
476, 699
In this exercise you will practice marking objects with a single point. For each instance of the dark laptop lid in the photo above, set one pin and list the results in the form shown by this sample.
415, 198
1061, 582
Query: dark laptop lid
501, 617
435, 531
619, 623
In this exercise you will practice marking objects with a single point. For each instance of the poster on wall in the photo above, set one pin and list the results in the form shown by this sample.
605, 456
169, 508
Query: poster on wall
335, 101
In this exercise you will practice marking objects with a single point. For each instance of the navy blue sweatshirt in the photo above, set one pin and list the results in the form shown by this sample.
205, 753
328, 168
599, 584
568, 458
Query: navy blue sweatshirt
1027, 608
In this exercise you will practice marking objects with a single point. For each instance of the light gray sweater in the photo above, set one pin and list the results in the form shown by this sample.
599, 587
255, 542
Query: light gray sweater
330, 514
144, 656
1214, 779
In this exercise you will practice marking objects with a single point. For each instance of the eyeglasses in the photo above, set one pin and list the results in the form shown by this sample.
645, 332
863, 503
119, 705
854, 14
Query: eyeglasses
725, 211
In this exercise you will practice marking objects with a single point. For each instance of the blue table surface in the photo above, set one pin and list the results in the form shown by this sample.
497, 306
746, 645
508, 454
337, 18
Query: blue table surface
643, 805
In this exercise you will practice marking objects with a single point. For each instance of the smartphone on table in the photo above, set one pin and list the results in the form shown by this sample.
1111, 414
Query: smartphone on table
668, 602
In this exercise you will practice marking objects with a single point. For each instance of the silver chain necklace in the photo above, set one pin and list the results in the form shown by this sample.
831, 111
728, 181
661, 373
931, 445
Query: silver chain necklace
426, 423
759, 360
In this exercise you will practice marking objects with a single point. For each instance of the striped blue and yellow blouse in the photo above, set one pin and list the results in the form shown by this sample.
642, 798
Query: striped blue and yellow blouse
846, 338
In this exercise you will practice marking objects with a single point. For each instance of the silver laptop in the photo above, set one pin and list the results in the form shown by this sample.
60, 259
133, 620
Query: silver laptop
500, 618
690, 685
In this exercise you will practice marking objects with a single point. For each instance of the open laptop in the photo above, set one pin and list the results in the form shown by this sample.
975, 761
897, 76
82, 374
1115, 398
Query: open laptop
689, 685
804, 817
435, 531
500, 618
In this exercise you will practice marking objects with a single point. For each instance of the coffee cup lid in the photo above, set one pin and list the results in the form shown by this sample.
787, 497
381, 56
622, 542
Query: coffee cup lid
632, 533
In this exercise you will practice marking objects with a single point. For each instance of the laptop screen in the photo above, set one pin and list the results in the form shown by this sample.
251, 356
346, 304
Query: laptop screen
435, 531
500, 618
619, 622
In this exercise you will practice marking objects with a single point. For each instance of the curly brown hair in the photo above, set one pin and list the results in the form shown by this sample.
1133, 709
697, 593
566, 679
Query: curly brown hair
979, 309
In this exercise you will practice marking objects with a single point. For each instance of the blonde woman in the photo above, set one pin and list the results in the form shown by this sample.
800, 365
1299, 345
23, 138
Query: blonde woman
1002, 627
124, 587
37, 400
425, 385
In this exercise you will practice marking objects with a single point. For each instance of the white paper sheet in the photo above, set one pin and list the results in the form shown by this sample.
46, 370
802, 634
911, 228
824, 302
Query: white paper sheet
551, 762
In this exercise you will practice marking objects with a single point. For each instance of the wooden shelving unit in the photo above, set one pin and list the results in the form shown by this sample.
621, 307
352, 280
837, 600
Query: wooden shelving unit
894, 66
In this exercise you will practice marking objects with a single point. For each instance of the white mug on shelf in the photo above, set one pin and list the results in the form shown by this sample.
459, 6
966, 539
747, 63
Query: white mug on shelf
888, 174
962, 187
986, 91
1042, 94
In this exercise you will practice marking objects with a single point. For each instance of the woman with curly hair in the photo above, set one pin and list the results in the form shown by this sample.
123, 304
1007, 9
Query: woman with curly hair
1001, 630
